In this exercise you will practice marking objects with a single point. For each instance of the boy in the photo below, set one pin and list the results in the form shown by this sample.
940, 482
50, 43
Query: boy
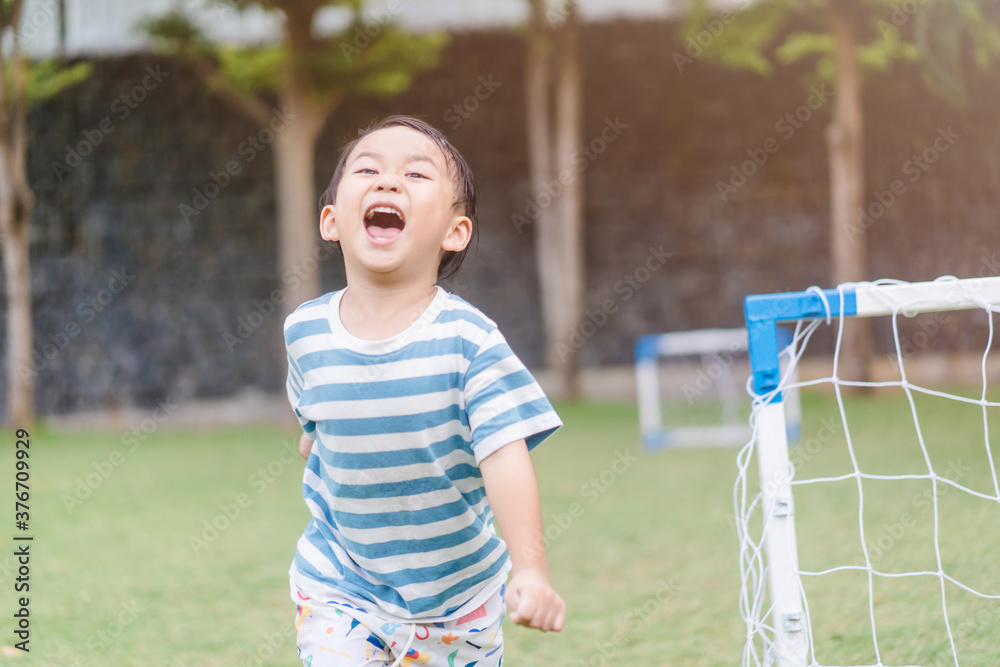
417, 421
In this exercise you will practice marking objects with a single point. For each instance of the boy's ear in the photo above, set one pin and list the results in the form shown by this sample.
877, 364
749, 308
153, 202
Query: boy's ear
459, 235
328, 223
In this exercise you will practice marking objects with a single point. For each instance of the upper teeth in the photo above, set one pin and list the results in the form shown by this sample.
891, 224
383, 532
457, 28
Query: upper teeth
383, 209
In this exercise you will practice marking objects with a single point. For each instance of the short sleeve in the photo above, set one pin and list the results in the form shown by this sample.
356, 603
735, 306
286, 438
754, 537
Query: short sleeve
294, 385
503, 401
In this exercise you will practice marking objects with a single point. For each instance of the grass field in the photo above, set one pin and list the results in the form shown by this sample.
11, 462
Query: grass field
128, 569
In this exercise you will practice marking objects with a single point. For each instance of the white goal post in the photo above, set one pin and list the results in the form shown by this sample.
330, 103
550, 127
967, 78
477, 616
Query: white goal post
779, 627
719, 352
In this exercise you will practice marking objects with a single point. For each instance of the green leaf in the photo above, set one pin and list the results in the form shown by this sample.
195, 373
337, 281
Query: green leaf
176, 34
886, 49
50, 77
387, 67
739, 39
358, 60
944, 33
253, 69
800, 45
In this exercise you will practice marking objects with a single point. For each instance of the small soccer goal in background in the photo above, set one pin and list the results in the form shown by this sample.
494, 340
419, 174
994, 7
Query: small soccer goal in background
898, 502
692, 389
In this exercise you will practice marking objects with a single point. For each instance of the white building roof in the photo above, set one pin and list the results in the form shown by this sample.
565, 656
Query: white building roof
95, 27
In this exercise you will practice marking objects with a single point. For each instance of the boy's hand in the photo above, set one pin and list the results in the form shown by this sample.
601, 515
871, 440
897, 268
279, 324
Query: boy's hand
305, 445
534, 603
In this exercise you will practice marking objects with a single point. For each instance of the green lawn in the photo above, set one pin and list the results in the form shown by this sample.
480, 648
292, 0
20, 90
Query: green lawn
125, 570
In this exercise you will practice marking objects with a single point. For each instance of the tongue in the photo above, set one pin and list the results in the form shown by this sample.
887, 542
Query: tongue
385, 233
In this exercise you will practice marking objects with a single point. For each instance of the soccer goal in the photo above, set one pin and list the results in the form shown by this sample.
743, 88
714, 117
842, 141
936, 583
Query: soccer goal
691, 388
897, 496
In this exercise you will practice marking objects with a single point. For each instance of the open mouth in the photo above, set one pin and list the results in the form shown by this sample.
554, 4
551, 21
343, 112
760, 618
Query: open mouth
384, 222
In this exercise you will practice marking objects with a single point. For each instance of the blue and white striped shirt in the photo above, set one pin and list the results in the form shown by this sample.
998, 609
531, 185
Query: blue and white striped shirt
400, 520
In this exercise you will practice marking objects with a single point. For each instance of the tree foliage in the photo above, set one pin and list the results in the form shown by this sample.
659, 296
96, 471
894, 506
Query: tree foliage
371, 57
945, 31
942, 36
47, 78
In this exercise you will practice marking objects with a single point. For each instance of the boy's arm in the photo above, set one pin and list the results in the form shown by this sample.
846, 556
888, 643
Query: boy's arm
305, 445
513, 494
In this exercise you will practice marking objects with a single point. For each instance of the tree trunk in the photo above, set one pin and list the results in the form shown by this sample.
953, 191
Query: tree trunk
16, 203
845, 144
558, 240
296, 199
537, 82
17, 275
569, 130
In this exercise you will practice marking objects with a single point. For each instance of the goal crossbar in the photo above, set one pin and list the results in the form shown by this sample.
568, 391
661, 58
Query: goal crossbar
763, 312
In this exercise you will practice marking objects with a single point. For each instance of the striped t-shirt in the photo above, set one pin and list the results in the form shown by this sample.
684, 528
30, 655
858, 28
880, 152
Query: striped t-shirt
400, 520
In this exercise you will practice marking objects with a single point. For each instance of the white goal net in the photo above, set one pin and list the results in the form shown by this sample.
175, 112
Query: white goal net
874, 543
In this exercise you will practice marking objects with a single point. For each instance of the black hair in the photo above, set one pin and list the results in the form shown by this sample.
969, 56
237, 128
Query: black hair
466, 192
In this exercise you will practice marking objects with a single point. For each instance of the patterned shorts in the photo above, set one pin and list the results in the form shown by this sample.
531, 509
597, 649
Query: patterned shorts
337, 634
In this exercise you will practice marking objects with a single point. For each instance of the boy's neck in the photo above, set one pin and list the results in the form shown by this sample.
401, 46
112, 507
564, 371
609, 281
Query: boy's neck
378, 312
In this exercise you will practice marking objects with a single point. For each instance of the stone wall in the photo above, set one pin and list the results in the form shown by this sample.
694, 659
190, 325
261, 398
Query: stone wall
133, 302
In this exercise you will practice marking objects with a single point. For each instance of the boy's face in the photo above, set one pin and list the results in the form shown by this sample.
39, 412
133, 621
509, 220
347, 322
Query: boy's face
393, 214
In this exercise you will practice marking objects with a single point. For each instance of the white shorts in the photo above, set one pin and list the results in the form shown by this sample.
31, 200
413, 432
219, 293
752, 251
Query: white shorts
338, 634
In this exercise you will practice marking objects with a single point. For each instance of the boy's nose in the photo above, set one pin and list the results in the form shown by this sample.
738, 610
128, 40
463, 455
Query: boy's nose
387, 182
